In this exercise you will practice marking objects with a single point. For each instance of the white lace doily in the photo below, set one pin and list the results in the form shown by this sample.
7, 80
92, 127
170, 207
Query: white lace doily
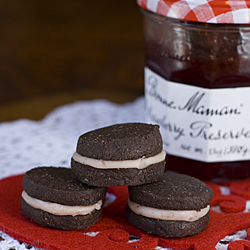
25, 144
52, 140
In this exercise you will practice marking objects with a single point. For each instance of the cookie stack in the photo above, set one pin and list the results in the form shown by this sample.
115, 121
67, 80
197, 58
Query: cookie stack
131, 154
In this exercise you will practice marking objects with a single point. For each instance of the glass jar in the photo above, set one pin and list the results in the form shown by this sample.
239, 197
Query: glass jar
197, 87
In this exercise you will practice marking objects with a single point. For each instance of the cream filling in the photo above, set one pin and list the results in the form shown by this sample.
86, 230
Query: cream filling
58, 209
102, 164
160, 214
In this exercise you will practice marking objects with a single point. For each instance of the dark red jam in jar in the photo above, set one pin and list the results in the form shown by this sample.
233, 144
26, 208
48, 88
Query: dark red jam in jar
197, 84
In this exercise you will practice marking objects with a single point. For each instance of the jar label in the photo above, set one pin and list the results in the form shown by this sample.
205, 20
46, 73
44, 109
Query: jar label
209, 125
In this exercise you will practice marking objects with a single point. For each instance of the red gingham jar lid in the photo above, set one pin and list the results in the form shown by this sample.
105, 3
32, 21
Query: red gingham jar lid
208, 11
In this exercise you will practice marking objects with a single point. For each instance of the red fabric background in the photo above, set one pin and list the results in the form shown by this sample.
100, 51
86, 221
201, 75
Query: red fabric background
114, 229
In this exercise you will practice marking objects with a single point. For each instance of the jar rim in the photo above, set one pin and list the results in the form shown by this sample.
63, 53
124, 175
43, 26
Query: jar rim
208, 11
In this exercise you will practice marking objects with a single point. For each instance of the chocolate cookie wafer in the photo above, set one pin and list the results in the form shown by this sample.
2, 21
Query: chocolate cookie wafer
52, 197
175, 206
122, 154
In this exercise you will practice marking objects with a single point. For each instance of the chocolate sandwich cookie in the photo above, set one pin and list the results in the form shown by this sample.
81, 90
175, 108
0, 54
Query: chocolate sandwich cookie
52, 197
175, 206
122, 154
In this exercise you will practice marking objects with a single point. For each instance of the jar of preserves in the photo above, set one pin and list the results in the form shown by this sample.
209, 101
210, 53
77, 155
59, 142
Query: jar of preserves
197, 84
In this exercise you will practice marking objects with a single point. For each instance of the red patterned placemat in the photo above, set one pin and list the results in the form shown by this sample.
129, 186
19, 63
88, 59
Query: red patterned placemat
113, 228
